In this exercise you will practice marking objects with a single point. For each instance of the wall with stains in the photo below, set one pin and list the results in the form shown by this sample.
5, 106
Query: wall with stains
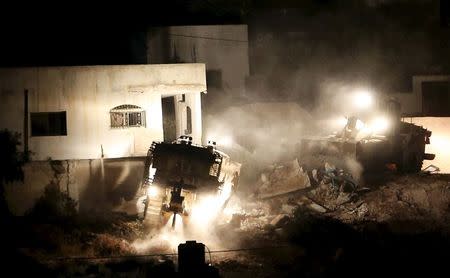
96, 184
220, 47
87, 94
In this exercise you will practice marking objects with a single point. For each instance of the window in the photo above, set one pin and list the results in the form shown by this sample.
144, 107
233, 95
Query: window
445, 13
48, 124
214, 79
436, 98
127, 115
188, 121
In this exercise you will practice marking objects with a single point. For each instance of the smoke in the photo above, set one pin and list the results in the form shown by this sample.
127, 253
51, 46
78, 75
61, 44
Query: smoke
206, 213
258, 134
265, 133
165, 239
305, 71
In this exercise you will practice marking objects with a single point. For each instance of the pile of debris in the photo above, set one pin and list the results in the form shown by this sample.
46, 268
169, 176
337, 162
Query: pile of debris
282, 179
284, 188
324, 189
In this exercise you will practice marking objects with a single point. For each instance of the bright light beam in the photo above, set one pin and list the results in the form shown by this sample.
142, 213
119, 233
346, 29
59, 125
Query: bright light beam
379, 125
152, 191
363, 99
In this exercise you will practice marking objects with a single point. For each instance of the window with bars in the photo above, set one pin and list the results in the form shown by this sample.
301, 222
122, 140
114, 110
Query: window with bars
127, 115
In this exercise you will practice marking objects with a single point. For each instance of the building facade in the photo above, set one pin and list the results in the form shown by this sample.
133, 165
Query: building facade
222, 48
430, 97
93, 112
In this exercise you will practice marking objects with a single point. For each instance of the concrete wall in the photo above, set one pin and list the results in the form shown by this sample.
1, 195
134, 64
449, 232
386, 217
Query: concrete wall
439, 140
87, 94
412, 101
220, 47
97, 185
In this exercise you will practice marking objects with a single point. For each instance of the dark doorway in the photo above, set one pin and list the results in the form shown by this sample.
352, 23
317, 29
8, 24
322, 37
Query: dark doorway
188, 121
436, 98
169, 121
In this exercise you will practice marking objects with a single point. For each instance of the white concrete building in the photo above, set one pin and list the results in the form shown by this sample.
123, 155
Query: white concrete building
430, 96
222, 48
428, 105
91, 112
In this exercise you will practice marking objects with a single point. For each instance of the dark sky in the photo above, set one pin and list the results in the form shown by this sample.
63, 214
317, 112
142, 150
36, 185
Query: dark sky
76, 33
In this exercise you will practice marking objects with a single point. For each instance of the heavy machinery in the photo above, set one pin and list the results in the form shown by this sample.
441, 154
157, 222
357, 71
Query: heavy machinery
177, 173
375, 139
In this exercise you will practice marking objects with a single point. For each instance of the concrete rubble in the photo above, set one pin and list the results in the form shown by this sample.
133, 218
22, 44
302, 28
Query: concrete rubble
333, 192
282, 179
323, 189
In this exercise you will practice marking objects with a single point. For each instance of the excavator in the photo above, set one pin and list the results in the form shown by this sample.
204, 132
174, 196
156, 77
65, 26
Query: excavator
374, 141
177, 173
378, 139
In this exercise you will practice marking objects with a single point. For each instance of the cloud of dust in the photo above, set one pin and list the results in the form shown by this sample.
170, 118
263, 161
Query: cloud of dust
260, 134
205, 216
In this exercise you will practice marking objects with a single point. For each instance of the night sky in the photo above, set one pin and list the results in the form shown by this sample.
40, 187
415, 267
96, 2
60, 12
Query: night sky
83, 34
75, 33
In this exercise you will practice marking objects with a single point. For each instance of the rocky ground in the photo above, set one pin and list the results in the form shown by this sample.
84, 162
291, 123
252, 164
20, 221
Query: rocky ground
395, 226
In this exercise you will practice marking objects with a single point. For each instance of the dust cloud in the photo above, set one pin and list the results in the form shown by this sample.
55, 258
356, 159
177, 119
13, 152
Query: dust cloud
260, 134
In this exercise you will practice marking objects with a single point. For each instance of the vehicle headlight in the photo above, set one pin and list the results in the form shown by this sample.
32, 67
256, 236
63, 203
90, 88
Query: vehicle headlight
363, 99
152, 191
379, 124
359, 125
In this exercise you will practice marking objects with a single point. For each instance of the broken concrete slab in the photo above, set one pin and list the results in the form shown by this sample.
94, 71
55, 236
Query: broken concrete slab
282, 179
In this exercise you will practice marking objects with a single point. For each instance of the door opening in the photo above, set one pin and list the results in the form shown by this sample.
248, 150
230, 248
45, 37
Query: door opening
169, 121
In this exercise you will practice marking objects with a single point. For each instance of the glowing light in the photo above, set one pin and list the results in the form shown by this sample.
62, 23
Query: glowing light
204, 210
225, 141
209, 207
363, 99
339, 122
152, 191
379, 125
366, 131
359, 125
225, 192
178, 229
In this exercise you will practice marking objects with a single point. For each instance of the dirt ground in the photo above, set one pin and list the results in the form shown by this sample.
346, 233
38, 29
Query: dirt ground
398, 226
